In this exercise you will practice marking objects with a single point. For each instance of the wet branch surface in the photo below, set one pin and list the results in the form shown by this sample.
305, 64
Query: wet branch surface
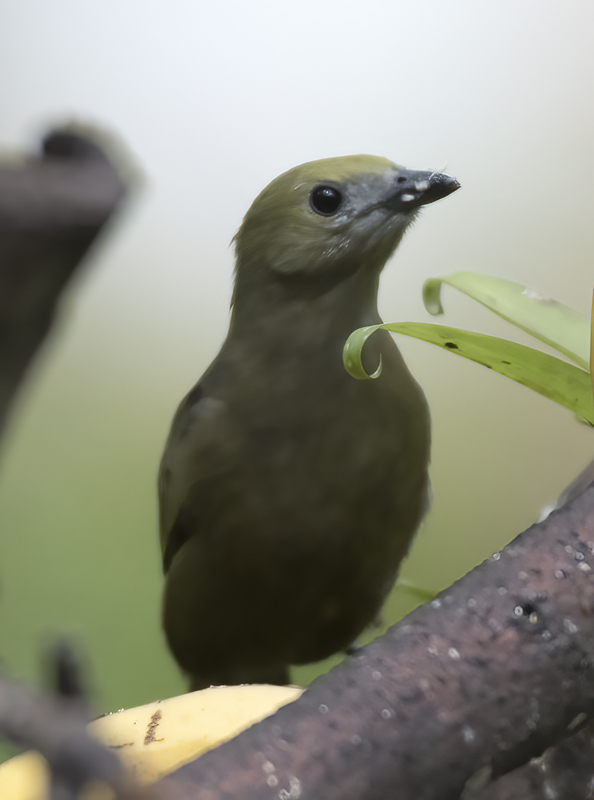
563, 772
464, 690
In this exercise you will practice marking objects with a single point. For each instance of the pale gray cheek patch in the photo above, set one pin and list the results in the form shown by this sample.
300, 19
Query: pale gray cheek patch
406, 198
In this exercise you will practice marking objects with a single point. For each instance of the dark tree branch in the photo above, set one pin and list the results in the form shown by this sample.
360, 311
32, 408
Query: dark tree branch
563, 772
463, 690
52, 207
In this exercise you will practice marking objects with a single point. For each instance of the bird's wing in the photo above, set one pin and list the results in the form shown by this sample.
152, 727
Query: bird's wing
203, 443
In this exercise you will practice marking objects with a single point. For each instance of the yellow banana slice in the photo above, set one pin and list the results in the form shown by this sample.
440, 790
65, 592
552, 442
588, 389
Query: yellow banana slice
155, 739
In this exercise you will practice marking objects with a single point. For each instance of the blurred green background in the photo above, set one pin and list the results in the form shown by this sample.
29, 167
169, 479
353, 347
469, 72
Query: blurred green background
214, 100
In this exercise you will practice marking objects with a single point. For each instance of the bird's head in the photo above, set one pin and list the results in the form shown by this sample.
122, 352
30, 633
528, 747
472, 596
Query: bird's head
328, 218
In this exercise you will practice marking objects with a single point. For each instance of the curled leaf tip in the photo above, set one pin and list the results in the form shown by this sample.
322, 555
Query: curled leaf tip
351, 354
432, 296
558, 326
378, 371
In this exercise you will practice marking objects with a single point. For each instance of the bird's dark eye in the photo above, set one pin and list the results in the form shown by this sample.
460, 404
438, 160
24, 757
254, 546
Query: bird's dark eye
326, 200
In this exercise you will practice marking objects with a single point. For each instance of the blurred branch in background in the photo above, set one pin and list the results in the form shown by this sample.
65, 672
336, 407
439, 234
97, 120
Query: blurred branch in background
52, 208
56, 727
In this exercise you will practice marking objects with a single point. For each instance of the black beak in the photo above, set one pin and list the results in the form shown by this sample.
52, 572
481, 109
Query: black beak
414, 188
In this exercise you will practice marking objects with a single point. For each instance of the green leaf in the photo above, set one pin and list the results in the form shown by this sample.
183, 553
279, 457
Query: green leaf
426, 595
551, 322
564, 383
592, 340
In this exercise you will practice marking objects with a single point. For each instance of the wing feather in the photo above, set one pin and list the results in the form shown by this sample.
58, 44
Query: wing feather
204, 443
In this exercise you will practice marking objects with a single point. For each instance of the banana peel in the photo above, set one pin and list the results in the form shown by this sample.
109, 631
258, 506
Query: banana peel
157, 738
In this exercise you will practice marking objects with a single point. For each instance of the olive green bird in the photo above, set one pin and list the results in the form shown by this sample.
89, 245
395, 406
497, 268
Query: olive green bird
290, 492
